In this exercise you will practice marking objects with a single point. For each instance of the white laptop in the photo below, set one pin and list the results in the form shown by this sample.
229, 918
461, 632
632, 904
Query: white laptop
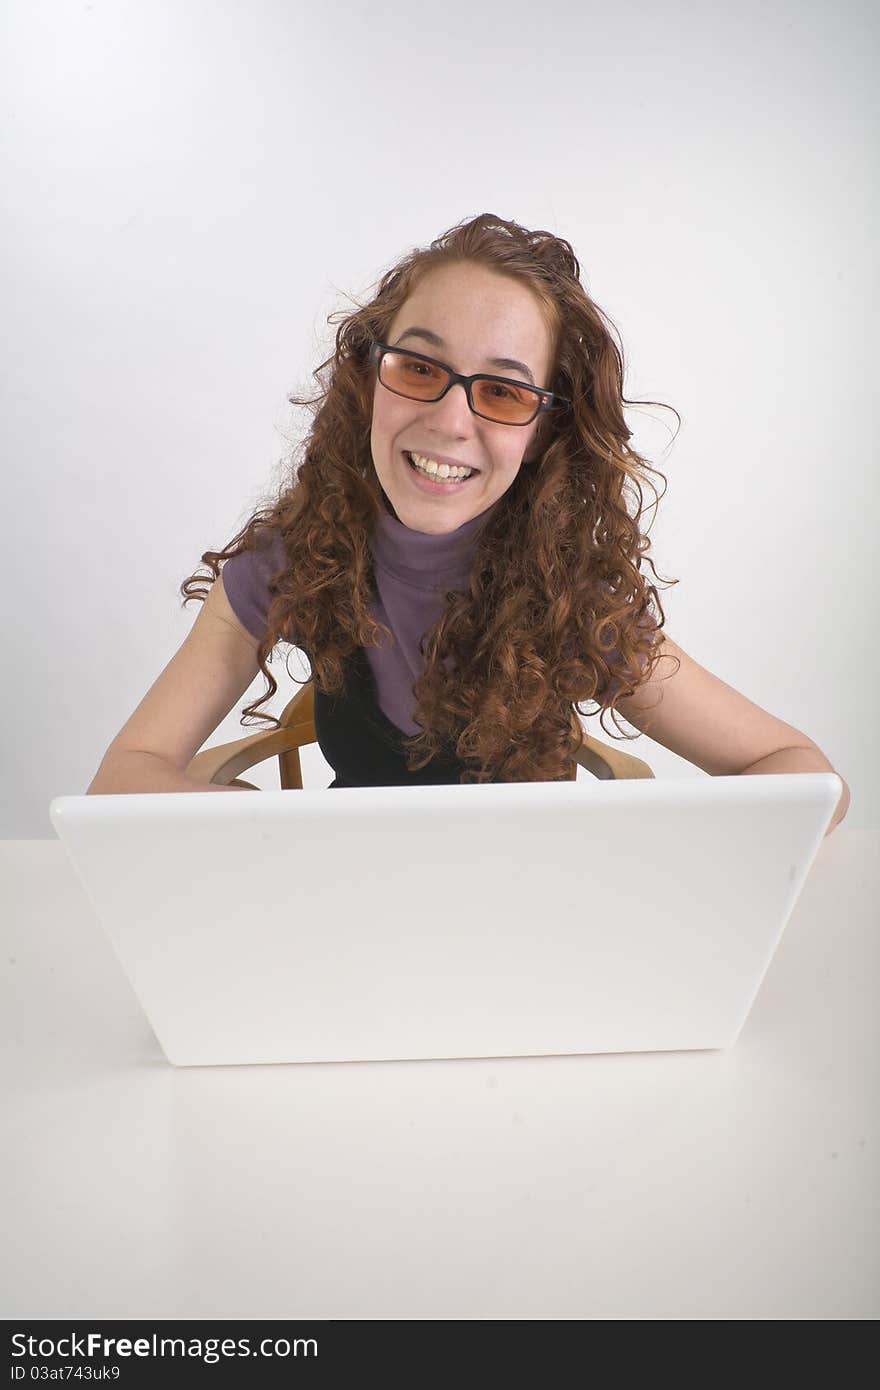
487, 920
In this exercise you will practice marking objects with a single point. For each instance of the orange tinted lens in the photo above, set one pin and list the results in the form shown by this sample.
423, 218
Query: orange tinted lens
509, 404
412, 377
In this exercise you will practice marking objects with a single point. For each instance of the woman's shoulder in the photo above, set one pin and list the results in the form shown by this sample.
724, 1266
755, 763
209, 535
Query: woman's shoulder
246, 579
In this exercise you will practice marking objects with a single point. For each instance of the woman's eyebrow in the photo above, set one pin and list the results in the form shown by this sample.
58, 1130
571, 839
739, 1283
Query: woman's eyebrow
509, 363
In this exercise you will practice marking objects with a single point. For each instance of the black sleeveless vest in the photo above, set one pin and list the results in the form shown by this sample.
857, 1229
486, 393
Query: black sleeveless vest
361, 743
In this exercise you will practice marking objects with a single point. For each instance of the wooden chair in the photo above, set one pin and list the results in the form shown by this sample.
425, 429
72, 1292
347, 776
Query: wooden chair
222, 764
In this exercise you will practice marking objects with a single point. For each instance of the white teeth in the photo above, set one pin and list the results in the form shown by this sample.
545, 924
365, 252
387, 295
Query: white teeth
439, 470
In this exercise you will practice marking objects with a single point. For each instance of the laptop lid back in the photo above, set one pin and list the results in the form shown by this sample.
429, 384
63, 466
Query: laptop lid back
448, 921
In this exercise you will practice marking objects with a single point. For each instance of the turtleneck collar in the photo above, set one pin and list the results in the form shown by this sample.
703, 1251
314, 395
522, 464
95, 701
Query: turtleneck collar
427, 561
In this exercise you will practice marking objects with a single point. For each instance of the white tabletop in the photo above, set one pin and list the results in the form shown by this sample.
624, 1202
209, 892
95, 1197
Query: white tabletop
737, 1184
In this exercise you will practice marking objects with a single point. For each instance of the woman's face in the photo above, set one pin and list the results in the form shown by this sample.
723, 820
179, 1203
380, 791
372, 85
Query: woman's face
477, 315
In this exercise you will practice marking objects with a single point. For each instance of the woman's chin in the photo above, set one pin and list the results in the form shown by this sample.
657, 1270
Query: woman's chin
435, 516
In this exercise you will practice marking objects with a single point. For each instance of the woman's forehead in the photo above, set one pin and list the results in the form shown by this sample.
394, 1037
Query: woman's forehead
493, 317
460, 288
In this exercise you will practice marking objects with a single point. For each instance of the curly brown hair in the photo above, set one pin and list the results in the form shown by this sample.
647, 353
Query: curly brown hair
557, 613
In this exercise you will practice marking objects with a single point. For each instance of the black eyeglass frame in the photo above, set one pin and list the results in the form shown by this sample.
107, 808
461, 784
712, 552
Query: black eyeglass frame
547, 400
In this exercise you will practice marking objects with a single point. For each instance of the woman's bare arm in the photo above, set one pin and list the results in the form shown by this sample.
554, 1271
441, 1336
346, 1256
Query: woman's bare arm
209, 673
698, 716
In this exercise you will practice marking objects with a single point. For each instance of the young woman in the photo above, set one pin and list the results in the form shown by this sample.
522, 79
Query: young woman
454, 552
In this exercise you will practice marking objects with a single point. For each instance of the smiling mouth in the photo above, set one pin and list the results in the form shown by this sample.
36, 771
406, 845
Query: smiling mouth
440, 483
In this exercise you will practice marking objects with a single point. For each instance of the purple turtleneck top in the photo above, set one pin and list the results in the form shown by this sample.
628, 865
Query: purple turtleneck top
414, 571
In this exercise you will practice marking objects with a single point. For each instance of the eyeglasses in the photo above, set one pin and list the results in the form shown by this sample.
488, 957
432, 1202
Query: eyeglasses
497, 398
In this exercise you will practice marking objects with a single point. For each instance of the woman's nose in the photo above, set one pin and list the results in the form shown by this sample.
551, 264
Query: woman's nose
453, 405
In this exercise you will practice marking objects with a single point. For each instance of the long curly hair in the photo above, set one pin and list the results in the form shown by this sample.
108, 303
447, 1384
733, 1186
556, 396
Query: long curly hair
556, 614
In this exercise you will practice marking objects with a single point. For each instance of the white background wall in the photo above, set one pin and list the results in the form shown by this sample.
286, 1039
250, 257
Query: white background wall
190, 188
